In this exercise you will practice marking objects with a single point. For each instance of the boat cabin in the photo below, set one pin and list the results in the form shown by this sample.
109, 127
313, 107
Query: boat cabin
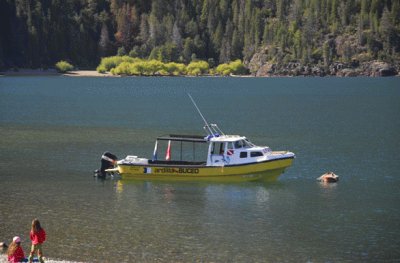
222, 150
234, 149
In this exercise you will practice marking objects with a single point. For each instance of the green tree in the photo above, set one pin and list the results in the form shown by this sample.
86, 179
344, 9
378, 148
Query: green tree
38, 33
104, 41
121, 51
187, 50
387, 31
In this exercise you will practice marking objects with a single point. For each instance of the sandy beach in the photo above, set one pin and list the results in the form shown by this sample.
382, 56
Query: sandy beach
88, 73
53, 72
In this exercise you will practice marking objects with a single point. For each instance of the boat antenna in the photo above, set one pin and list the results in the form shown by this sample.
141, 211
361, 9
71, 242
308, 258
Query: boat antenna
204, 119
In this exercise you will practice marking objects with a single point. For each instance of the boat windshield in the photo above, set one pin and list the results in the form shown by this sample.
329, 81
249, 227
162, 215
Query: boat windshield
243, 144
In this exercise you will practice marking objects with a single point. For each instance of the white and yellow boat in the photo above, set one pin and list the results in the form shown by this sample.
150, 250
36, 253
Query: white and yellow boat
227, 158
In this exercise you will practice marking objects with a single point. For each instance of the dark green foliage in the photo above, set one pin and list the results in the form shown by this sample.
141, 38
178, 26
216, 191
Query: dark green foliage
121, 51
38, 33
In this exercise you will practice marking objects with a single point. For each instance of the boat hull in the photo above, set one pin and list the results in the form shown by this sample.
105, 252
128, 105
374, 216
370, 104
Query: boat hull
265, 171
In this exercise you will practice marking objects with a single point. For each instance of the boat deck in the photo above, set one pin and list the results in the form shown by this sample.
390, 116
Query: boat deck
189, 163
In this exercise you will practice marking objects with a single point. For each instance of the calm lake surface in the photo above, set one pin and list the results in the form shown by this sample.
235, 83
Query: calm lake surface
53, 131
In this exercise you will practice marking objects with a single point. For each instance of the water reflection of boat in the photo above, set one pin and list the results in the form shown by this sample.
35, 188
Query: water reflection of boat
227, 158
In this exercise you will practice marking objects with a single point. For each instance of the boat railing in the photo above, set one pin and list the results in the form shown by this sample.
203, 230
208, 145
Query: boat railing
213, 130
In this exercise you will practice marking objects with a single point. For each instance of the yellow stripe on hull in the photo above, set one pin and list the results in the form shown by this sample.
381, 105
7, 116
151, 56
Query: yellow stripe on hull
268, 171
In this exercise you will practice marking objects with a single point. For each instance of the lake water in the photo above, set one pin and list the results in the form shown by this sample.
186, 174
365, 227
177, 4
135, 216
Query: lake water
53, 131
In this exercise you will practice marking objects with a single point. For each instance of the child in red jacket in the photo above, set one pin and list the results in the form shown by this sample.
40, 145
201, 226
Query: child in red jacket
38, 236
15, 252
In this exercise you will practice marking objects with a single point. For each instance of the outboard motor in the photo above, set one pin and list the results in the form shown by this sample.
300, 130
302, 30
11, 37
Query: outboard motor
107, 161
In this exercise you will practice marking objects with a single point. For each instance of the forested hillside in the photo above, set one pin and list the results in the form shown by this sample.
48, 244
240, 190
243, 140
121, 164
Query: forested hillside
38, 33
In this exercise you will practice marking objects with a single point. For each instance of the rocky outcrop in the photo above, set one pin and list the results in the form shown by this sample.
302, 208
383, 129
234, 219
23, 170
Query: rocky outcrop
260, 66
379, 69
267, 69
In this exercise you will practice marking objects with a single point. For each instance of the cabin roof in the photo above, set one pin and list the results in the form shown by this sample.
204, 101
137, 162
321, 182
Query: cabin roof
227, 138
200, 138
182, 138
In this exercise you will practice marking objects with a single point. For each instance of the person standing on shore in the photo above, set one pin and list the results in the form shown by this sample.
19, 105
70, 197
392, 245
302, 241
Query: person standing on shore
15, 252
38, 236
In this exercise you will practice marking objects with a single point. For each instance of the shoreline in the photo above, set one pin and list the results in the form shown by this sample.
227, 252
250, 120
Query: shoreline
94, 73
53, 72
3, 259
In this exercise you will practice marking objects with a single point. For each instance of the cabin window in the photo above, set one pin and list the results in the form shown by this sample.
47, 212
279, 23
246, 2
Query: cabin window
239, 144
217, 148
230, 146
248, 143
243, 154
243, 144
256, 154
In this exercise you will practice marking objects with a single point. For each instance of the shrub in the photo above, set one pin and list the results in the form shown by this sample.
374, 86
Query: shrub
175, 69
140, 67
63, 66
151, 67
223, 69
122, 69
101, 69
236, 67
134, 66
108, 63
196, 68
